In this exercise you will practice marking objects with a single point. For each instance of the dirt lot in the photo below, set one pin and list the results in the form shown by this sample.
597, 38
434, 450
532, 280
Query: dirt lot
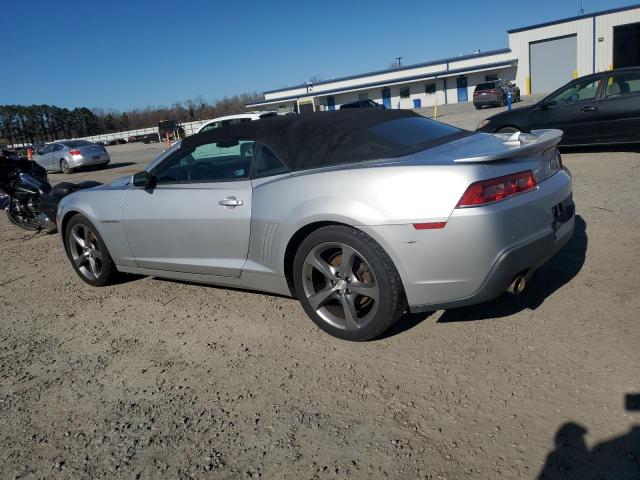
158, 379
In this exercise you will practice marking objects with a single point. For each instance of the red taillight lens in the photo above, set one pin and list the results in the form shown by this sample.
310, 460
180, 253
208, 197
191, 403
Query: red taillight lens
74, 152
496, 189
429, 226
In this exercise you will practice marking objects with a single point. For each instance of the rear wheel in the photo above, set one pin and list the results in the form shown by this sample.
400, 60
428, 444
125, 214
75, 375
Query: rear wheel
88, 253
64, 166
347, 283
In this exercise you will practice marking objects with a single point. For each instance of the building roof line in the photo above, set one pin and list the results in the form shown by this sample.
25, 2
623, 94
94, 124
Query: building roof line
424, 76
572, 19
388, 70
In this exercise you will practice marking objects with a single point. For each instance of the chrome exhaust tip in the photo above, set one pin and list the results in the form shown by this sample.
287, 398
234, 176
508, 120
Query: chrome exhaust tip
518, 285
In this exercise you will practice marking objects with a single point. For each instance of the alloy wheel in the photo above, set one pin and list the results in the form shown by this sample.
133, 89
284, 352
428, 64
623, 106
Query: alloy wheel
85, 251
340, 286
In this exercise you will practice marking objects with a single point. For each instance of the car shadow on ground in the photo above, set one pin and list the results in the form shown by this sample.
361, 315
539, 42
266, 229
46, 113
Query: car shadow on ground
406, 322
111, 166
617, 458
557, 272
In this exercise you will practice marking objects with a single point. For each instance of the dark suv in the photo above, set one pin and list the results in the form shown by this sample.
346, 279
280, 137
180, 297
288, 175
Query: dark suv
495, 93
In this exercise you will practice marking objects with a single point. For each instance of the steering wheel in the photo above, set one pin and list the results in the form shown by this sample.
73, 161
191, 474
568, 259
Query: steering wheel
201, 171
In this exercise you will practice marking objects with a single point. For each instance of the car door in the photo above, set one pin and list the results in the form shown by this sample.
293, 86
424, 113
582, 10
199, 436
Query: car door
196, 218
571, 109
44, 159
619, 111
56, 156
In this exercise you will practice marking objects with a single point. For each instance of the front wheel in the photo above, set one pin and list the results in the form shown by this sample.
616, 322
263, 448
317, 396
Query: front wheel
88, 253
347, 283
21, 218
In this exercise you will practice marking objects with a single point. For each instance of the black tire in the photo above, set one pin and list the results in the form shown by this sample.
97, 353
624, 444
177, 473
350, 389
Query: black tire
477, 106
84, 269
508, 130
64, 166
371, 268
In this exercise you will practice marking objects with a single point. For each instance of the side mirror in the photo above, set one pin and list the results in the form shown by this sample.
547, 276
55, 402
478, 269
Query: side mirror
143, 179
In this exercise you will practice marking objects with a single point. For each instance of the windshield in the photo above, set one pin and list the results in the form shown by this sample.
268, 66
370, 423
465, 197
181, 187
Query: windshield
486, 86
163, 155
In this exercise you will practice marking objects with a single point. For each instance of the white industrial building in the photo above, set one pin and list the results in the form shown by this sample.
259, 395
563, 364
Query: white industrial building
540, 58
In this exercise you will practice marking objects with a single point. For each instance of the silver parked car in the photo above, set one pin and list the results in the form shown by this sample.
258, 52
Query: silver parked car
360, 214
67, 155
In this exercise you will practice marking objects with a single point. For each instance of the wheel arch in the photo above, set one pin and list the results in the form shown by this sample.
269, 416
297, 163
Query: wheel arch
303, 232
294, 243
502, 127
65, 221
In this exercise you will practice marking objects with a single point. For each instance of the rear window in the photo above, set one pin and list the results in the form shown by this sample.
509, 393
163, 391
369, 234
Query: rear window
78, 143
486, 86
413, 131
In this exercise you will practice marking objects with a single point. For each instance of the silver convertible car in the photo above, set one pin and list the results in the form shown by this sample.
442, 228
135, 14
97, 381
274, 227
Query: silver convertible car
360, 214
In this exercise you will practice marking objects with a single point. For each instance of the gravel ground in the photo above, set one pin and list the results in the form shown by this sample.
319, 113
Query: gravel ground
158, 379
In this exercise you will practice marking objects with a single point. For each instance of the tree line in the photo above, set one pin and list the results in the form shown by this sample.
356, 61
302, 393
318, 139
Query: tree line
37, 124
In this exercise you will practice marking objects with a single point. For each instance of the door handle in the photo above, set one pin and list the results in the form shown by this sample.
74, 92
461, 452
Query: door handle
230, 202
589, 109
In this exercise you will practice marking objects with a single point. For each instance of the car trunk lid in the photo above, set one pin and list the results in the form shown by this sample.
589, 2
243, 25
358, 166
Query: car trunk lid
91, 151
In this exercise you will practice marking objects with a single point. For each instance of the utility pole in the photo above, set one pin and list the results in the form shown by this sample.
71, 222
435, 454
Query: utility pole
399, 61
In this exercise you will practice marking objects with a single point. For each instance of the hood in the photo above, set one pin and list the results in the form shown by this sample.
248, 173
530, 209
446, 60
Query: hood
118, 184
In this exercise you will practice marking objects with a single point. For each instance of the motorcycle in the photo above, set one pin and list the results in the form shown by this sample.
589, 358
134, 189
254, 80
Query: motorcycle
29, 199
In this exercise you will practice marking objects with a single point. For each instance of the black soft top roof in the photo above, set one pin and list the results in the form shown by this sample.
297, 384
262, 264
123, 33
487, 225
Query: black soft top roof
318, 139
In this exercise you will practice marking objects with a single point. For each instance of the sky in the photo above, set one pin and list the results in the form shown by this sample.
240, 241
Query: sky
131, 54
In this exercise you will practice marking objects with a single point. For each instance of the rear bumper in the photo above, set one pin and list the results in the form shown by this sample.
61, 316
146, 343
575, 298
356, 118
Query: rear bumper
82, 161
521, 259
487, 99
479, 252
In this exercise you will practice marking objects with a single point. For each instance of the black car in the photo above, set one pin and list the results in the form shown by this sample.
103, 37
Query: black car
595, 109
495, 93
362, 104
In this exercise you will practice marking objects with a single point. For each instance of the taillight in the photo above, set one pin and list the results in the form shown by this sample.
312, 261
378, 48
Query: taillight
74, 152
429, 226
496, 189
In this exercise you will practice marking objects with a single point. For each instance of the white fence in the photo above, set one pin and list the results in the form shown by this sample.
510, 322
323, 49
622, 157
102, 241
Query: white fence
189, 129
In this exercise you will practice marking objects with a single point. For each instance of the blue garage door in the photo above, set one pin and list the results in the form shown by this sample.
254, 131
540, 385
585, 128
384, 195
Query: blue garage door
461, 84
386, 97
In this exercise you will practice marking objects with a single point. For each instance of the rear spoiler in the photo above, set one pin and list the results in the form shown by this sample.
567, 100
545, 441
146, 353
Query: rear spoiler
518, 144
